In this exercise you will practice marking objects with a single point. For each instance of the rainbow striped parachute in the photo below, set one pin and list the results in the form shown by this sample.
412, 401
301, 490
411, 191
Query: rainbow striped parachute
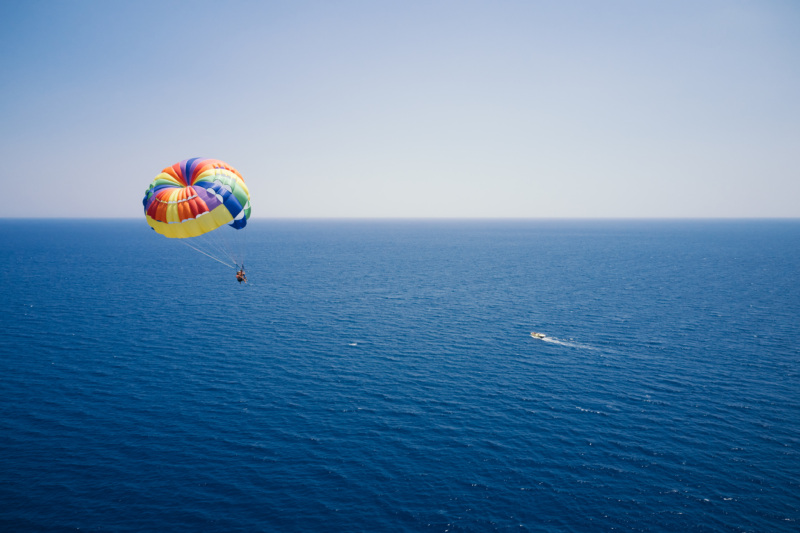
196, 196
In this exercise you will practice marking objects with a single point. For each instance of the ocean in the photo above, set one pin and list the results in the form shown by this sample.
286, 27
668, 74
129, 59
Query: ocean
380, 375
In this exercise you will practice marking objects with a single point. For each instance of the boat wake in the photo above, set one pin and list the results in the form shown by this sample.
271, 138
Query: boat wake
553, 340
569, 344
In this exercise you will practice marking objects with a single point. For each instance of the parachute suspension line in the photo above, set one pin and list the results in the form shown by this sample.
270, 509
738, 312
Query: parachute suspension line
214, 243
243, 236
207, 254
228, 244
219, 243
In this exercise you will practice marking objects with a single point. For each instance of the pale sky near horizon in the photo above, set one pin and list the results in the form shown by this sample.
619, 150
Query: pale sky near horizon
407, 108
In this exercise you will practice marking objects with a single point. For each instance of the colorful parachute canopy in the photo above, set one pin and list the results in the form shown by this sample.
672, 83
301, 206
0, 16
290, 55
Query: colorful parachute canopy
196, 196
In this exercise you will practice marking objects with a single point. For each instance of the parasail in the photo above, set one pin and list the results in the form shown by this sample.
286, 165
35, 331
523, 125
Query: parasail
195, 198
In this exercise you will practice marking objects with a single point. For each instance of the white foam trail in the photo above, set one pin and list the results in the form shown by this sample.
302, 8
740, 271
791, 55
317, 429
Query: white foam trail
553, 340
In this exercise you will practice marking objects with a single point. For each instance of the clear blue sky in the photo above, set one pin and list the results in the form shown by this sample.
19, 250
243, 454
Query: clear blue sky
407, 108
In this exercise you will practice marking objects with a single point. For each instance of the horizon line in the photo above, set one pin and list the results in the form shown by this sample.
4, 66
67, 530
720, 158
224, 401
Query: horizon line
443, 218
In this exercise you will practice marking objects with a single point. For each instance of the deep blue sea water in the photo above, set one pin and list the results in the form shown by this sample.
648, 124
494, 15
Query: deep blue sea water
380, 376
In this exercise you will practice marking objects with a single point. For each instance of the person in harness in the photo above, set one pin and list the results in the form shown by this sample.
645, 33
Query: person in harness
240, 277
